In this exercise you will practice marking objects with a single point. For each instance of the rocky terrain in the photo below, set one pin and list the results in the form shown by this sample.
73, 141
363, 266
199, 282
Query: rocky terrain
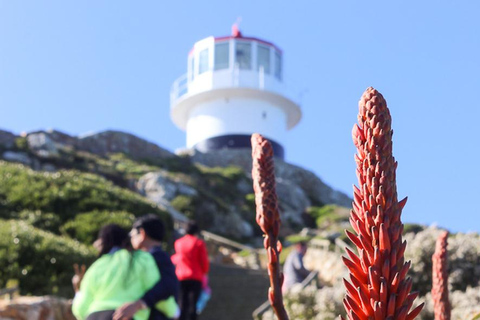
190, 183
56, 190
326, 302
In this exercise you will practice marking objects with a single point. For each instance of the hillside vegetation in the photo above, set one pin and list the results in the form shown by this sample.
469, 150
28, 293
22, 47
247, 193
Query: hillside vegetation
53, 205
49, 220
56, 191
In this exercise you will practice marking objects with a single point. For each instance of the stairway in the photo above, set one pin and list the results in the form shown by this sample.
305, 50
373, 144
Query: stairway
236, 292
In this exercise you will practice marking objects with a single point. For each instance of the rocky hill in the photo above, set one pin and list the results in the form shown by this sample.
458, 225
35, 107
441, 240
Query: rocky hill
213, 188
57, 190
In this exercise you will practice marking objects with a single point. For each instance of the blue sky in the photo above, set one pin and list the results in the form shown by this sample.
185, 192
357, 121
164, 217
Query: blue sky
82, 66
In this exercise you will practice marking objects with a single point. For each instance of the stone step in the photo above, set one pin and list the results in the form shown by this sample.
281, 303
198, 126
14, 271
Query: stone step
236, 292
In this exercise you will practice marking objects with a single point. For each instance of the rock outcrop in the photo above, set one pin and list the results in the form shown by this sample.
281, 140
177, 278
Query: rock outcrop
313, 187
48, 143
161, 189
36, 308
116, 141
297, 188
7, 139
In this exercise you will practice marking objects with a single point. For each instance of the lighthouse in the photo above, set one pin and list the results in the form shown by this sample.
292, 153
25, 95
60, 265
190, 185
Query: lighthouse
234, 86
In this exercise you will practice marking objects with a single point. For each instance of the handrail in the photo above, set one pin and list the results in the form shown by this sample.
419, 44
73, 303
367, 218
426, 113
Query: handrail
9, 291
342, 244
264, 307
182, 86
179, 87
225, 241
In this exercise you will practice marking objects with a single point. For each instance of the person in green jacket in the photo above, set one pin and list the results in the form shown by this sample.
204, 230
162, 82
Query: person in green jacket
118, 276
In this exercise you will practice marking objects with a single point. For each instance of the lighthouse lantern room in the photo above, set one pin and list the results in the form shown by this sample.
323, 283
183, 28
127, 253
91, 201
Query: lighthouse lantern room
233, 88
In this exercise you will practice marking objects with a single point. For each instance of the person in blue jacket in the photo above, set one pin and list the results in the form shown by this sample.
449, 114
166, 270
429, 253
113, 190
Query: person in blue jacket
147, 234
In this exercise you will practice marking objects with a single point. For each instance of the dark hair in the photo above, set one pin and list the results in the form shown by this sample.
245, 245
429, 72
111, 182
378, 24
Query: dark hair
192, 228
112, 235
152, 225
302, 243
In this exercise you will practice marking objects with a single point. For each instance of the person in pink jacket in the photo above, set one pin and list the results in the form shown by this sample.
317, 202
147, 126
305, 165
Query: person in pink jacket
191, 266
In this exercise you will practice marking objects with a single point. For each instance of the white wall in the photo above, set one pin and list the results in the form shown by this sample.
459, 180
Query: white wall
235, 116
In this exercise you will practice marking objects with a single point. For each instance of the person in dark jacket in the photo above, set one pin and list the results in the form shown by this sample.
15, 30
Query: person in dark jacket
147, 234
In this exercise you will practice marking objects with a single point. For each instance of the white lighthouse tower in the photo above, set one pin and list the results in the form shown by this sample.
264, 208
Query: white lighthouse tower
233, 88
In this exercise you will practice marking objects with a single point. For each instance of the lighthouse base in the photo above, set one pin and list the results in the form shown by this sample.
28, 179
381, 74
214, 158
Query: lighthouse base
235, 141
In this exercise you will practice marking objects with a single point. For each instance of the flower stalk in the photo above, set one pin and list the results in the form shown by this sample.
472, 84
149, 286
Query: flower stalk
379, 287
268, 217
442, 308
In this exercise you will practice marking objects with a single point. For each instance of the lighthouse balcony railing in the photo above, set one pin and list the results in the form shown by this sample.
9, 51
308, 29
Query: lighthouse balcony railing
184, 87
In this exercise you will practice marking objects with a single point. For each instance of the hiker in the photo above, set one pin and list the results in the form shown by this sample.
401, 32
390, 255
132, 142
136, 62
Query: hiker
119, 275
293, 269
147, 235
191, 262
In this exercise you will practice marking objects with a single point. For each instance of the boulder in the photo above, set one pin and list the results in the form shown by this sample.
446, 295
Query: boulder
21, 157
315, 189
36, 308
232, 225
42, 145
160, 188
297, 188
221, 158
312, 185
62, 138
7, 139
110, 141
291, 194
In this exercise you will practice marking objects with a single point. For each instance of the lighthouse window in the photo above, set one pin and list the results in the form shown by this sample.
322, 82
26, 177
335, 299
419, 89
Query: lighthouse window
278, 65
263, 58
221, 55
243, 55
203, 61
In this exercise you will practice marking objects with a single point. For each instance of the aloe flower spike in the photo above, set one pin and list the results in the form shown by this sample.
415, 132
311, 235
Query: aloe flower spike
441, 303
268, 217
380, 265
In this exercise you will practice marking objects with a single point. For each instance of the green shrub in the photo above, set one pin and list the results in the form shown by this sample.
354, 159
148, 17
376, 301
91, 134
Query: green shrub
21, 143
65, 193
40, 261
85, 226
180, 163
296, 238
128, 167
328, 215
231, 173
185, 205
46, 221
412, 227
221, 182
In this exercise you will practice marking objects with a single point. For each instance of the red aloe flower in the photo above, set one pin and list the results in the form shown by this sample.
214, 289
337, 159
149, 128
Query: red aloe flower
440, 279
379, 287
268, 218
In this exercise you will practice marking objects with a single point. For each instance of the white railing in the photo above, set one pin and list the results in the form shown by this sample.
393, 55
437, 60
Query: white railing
183, 86
179, 88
